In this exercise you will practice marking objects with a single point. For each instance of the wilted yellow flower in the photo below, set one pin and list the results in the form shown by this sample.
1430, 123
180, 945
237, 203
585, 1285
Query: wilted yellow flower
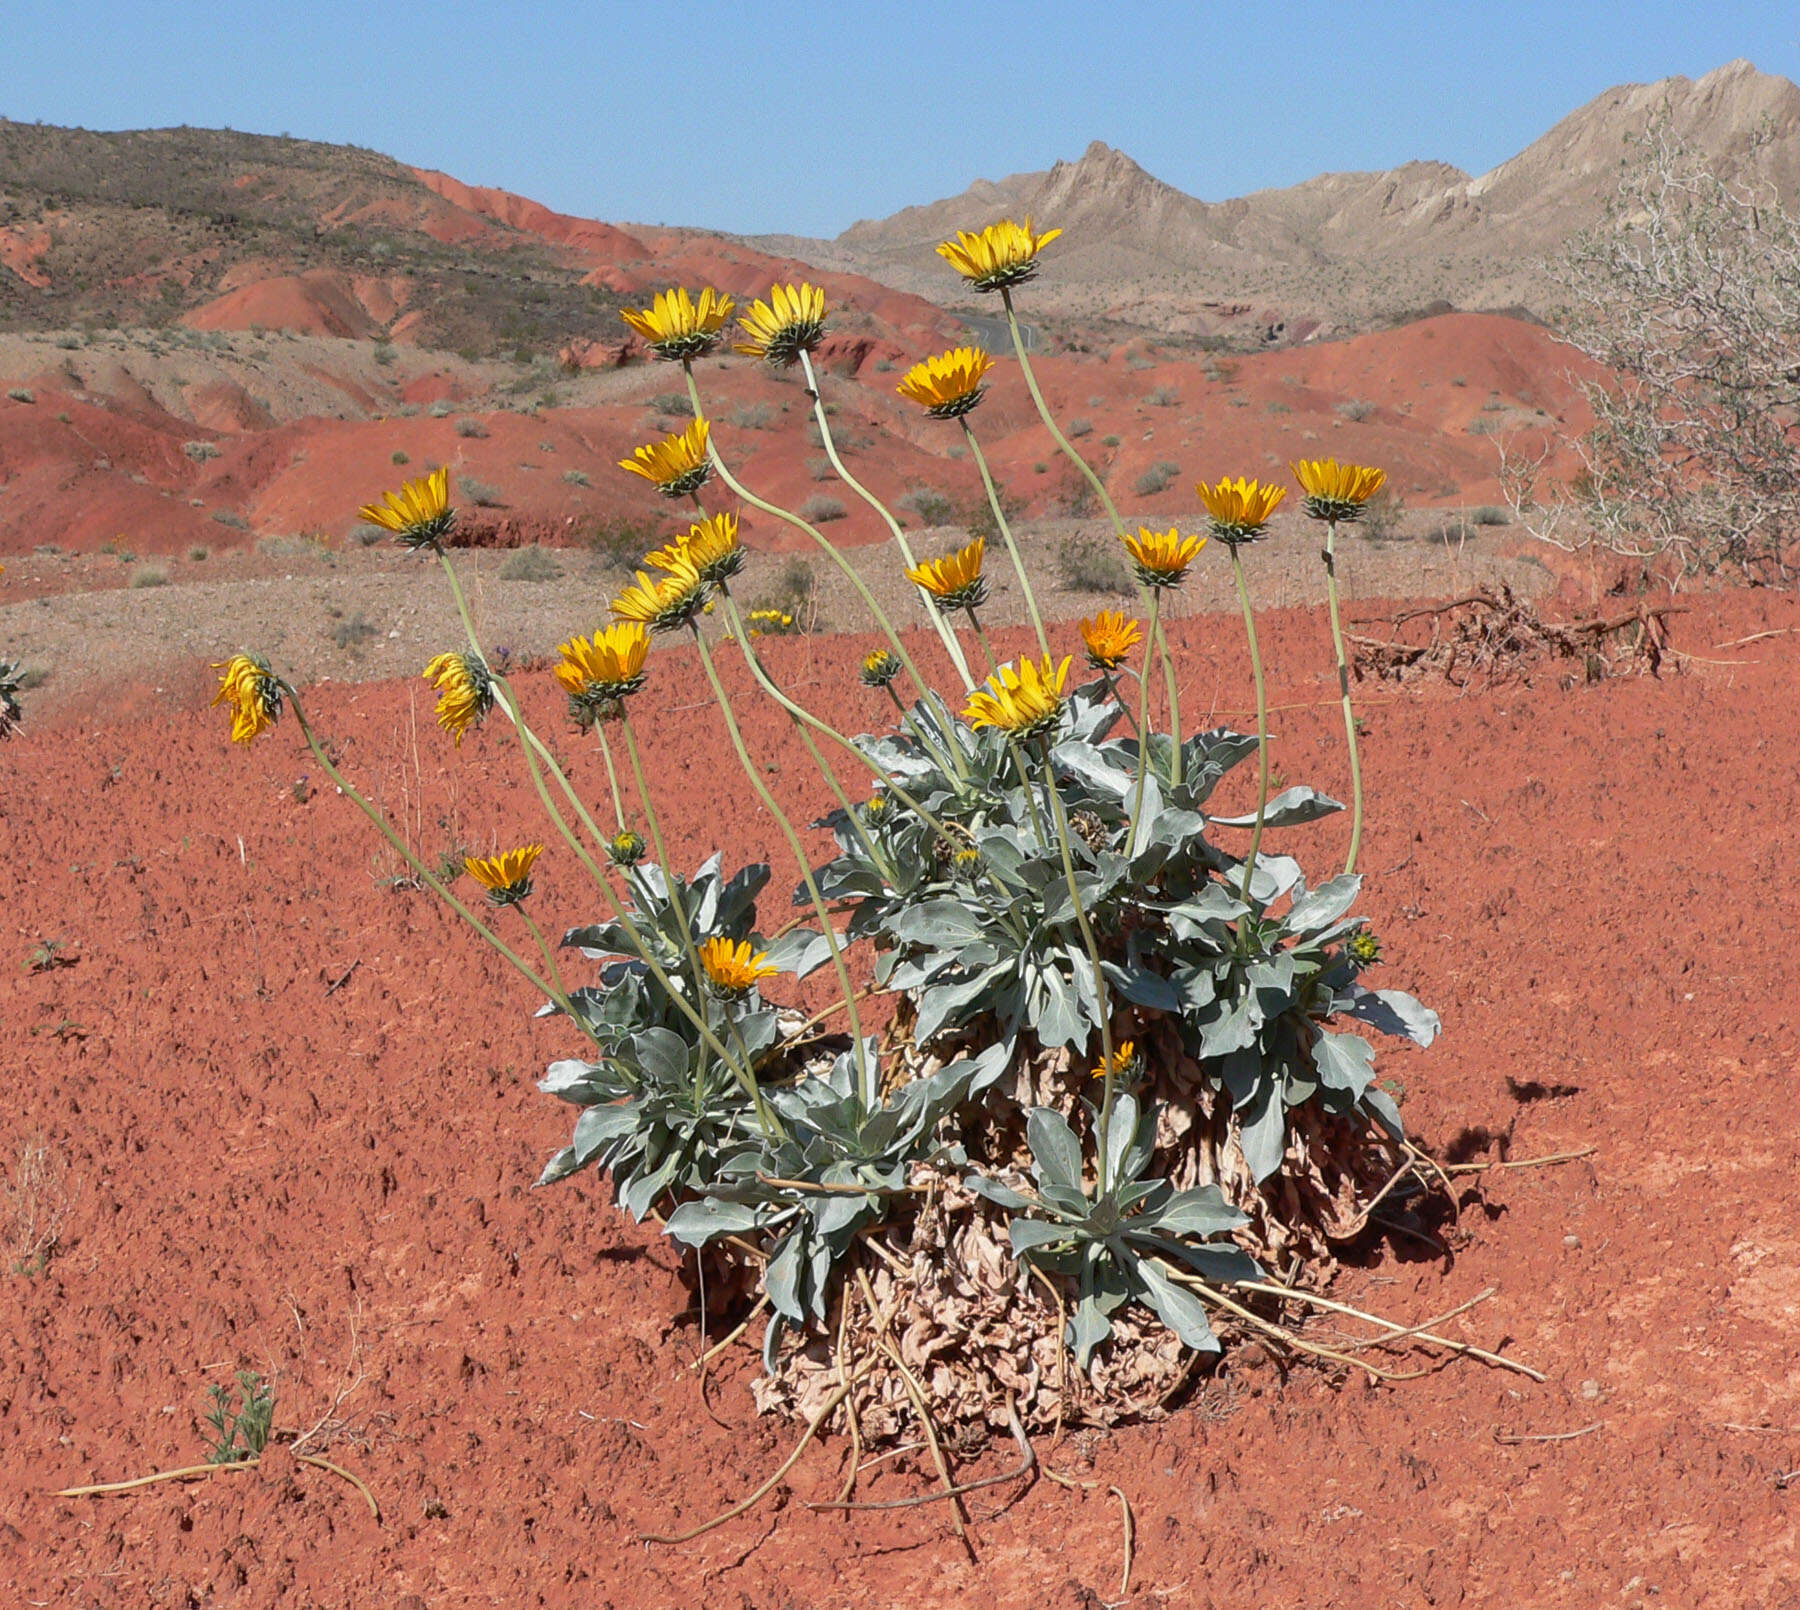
465, 691
507, 876
789, 323
1123, 1058
675, 466
710, 546
672, 600
949, 385
955, 581
1336, 491
1240, 509
676, 326
879, 667
1022, 698
1161, 558
252, 690
1110, 637
606, 668
419, 514
1002, 254
734, 968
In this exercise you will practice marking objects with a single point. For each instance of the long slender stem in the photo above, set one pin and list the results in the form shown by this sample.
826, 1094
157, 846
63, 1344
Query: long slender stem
1343, 671
772, 805
671, 878
1168, 667
945, 631
1143, 721
1262, 720
1102, 994
1006, 536
544, 950
612, 775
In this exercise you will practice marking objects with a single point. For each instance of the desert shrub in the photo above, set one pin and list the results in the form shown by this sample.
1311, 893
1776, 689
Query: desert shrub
1163, 397
1089, 564
383, 353
352, 632
932, 507
479, 492
752, 416
400, 456
530, 564
620, 542
229, 517
1383, 515
1355, 409
150, 576
1077, 428
1158, 478
676, 404
1277, 406
198, 553
200, 452
1109, 441
441, 409
22, 394
1487, 514
820, 509
470, 427
820, 469
577, 478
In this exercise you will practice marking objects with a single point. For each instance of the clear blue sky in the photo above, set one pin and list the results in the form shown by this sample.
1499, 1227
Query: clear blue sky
800, 117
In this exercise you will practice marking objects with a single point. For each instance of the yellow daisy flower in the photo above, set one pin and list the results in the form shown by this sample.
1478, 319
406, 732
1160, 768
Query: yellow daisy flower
1124, 1059
1003, 254
710, 546
955, 581
252, 691
601, 670
949, 385
1110, 637
1022, 698
507, 876
419, 514
677, 465
734, 968
879, 667
1161, 558
1336, 491
672, 600
676, 326
465, 692
625, 848
789, 323
1240, 509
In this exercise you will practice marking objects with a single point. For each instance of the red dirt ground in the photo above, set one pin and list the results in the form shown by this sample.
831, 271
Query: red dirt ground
1594, 887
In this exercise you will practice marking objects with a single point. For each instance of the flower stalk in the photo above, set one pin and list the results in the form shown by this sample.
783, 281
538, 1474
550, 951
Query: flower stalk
1262, 720
1343, 670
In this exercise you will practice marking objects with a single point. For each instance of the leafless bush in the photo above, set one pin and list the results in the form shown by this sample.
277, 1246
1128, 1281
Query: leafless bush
1689, 295
39, 1198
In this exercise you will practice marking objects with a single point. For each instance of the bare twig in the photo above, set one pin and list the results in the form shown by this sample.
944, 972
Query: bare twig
1523, 1162
717, 1348
1130, 1538
1027, 1464
1509, 1438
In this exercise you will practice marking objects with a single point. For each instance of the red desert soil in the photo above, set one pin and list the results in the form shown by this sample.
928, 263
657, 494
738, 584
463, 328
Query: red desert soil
300, 1129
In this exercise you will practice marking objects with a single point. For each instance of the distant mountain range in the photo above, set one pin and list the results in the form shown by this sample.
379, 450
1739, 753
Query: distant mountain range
1342, 249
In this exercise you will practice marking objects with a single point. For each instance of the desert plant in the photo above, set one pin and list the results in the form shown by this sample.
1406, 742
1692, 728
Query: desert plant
150, 576
530, 564
240, 1428
229, 517
819, 509
1079, 428
470, 427
200, 452
21, 394
1092, 565
577, 478
38, 1200
1163, 397
400, 456
1158, 478
483, 494
932, 507
1355, 409
352, 632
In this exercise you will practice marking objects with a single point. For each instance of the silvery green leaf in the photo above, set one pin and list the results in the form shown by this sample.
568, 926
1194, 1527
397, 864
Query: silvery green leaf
1344, 1061
800, 951
1264, 1134
1029, 1234
939, 1003
640, 1195
998, 1192
1121, 1134
1242, 1073
1202, 1211
781, 1277
1094, 767
1148, 812
837, 1212
598, 1125
661, 1053
1232, 1030
1143, 987
1381, 1104
568, 1078
1274, 876
735, 899
1290, 808
991, 1065
560, 1167
1054, 1147
1180, 1310
1225, 1265
1395, 1012
695, 1223
941, 922
1319, 908
1088, 1328
1060, 1020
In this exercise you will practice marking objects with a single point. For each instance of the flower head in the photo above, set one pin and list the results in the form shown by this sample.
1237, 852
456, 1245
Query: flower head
955, 581
676, 326
419, 514
1161, 558
1110, 638
950, 384
625, 848
1336, 491
599, 672
1023, 698
675, 466
506, 876
769, 622
1240, 509
734, 968
1123, 1063
1364, 949
672, 600
878, 810
710, 546
1003, 254
789, 323
879, 667
966, 862
465, 692
254, 693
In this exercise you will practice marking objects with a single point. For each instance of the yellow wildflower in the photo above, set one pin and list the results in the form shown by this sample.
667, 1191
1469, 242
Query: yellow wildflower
1023, 698
677, 465
955, 581
1161, 558
949, 385
253, 692
1336, 491
1003, 254
710, 546
1240, 509
1110, 638
672, 600
734, 968
465, 691
419, 514
789, 323
606, 668
1124, 1058
507, 876
676, 326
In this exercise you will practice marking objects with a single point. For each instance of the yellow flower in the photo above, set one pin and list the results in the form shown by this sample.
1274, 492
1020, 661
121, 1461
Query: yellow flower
955, 581
1161, 558
465, 691
734, 968
1240, 509
507, 876
625, 848
1022, 699
1123, 1057
879, 668
1003, 254
672, 600
949, 385
675, 466
254, 694
1336, 491
789, 323
676, 326
608, 667
419, 514
710, 546
1110, 638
